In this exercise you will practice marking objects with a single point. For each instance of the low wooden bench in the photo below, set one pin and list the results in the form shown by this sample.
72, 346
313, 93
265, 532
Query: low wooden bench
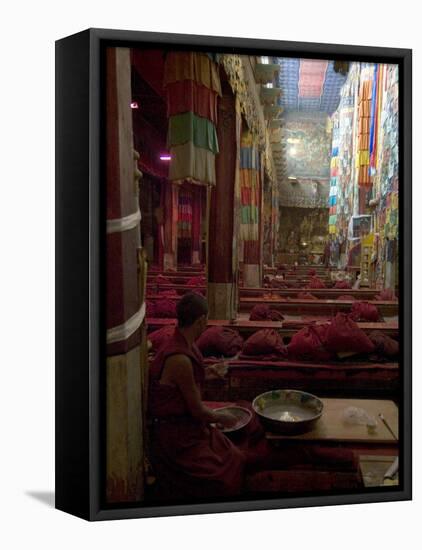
296, 306
285, 328
324, 293
180, 289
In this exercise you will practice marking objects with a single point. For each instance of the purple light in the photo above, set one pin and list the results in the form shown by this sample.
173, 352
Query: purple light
165, 157
134, 105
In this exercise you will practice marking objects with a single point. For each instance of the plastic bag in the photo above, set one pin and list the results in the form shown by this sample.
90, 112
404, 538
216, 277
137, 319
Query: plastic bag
355, 416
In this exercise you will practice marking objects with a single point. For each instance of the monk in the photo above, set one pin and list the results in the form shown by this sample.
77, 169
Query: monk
191, 458
189, 453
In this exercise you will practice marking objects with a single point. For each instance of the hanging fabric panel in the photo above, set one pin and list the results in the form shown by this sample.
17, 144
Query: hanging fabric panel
192, 164
187, 95
192, 85
189, 127
332, 200
364, 128
194, 66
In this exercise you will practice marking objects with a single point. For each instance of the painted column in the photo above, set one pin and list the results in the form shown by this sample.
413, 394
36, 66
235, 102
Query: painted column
171, 205
196, 224
126, 338
252, 204
222, 288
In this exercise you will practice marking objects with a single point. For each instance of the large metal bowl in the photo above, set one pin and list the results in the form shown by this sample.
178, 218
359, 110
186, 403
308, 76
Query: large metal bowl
288, 411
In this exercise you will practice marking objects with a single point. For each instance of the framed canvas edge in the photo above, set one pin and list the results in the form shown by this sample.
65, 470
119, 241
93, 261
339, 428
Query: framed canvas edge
401, 56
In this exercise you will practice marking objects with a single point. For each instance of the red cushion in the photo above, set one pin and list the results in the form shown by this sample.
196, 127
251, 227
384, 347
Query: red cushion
160, 337
342, 284
344, 335
384, 345
315, 282
165, 308
265, 341
217, 341
150, 308
161, 280
362, 311
276, 283
262, 312
171, 293
306, 296
386, 295
197, 281
308, 344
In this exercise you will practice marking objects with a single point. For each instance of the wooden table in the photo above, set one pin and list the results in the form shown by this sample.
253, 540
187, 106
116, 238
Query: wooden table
332, 429
323, 307
326, 293
285, 328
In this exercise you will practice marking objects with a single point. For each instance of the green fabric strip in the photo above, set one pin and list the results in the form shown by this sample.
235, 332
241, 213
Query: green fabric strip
189, 127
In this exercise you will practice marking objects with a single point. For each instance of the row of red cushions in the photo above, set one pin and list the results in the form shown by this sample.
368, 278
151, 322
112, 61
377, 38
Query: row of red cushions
314, 342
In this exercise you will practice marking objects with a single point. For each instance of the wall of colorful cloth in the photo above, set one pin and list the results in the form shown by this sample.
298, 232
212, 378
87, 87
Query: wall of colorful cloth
365, 153
192, 85
332, 200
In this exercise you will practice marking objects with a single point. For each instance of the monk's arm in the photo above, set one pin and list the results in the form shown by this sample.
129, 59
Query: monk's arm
179, 368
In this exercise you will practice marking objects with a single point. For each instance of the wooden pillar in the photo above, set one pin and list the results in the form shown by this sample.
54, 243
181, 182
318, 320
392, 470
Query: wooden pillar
222, 287
126, 355
171, 205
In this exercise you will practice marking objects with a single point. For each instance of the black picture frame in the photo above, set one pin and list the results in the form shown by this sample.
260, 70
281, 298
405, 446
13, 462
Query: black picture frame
79, 263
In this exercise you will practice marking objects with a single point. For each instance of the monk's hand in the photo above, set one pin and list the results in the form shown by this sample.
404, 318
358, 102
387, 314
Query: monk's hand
217, 370
225, 419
